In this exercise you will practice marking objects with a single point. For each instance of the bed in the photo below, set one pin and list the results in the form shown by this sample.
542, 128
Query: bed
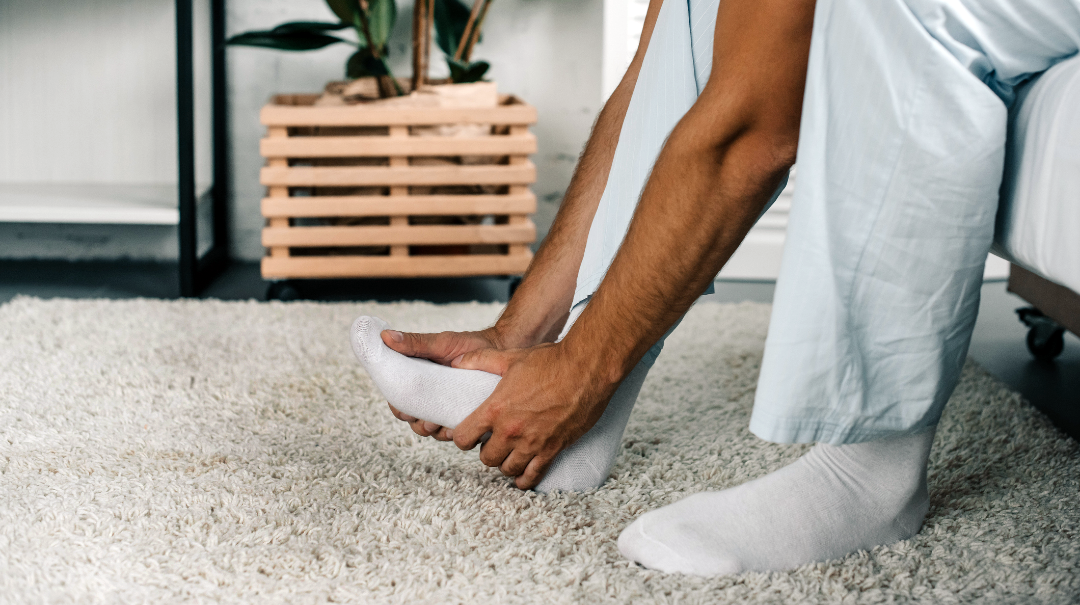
1038, 223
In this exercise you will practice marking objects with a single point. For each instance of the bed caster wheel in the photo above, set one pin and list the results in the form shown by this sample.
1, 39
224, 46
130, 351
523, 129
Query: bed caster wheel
515, 281
283, 291
1046, 348
1045, 338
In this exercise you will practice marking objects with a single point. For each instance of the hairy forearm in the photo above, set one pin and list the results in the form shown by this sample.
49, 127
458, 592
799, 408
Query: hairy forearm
539, 308
695, 210
712, 179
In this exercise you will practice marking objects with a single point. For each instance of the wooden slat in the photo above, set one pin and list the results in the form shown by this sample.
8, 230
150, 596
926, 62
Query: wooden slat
360, 115
373, 235
515, 220
518, 219
413, 205
388, 266
277, 132
352, 176
399, 133
286, 111
380, 146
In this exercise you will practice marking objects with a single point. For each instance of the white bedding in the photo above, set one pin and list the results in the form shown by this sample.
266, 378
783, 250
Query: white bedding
1038, 223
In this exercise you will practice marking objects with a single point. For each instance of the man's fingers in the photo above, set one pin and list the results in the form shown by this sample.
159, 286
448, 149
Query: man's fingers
468, 433
399, 414
422, 427
417, 427
492, 361
515, 463
409, 343
533, 473
494, 452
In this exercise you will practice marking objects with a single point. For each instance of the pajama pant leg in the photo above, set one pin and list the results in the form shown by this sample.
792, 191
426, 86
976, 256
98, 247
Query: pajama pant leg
900, 159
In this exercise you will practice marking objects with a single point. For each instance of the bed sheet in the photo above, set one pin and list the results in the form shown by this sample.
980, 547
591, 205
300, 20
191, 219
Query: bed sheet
1038, 223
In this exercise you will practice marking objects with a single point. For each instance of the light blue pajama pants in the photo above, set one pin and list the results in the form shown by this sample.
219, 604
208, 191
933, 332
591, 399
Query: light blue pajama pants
901, 152
900, 157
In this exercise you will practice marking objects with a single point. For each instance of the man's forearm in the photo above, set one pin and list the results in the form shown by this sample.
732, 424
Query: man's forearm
692, 216
539, 306
711, 181
542, 302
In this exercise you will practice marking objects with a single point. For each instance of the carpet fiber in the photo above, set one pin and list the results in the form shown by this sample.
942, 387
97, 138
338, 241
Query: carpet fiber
236, 452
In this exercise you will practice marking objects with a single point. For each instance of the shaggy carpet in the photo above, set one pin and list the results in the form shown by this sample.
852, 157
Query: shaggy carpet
236, 452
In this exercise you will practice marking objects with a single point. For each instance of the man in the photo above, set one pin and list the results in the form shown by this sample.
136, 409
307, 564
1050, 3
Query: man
900, 158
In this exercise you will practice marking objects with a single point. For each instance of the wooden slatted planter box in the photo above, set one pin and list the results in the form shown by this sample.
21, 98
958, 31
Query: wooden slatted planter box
370, 191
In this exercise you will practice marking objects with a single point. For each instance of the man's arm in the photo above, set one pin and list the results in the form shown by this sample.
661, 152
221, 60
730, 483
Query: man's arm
541, 305
710, 182
539, 308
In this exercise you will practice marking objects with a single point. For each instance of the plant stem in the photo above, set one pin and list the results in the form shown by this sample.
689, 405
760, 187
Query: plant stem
362, 15
476, 32
473, 14
429, 24
417, 44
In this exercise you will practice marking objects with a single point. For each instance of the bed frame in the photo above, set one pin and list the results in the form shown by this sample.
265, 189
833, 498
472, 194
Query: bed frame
1056, 309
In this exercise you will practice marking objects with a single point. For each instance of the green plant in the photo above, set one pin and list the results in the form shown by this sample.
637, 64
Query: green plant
457, 30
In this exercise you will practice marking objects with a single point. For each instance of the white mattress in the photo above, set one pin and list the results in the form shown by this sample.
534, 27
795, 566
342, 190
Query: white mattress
1038, 224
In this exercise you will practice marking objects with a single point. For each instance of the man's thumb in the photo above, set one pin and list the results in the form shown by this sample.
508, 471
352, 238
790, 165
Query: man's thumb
492, 361
406, 343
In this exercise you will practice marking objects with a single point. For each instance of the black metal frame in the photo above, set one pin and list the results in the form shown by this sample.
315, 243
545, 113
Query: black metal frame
195, 271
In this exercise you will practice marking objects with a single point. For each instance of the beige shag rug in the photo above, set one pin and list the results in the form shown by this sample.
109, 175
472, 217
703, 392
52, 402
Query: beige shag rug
201, 451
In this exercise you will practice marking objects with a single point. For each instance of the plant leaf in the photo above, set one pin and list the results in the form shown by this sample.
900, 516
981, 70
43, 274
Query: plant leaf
463, 73
309, 26
289, 40
362, 63
382, 14
344, 9
451, 17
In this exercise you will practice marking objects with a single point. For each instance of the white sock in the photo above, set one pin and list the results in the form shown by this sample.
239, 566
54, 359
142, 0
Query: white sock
445, 396
831, 502
418, 387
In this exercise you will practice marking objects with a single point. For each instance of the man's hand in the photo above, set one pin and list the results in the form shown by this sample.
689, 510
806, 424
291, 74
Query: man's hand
544, 403
441, 348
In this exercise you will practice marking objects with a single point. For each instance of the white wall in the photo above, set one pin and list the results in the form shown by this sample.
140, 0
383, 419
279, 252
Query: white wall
88, 96
87, 91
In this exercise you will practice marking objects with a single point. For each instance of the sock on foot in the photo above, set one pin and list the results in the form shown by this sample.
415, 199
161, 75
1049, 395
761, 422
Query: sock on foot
419, 387
831, 502
445, 396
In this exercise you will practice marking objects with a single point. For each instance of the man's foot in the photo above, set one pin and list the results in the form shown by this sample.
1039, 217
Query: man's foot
445, 396
419, 387
831, 502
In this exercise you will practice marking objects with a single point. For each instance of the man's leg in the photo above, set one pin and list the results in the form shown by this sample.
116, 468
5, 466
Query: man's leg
900, 159
900, 162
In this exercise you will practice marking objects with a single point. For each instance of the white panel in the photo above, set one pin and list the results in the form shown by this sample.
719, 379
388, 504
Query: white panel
758, 257
623, 21
88, 203
87, 91
203, 59
996, 268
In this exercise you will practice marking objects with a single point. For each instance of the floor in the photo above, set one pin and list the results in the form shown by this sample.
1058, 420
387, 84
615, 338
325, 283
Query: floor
997, 344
